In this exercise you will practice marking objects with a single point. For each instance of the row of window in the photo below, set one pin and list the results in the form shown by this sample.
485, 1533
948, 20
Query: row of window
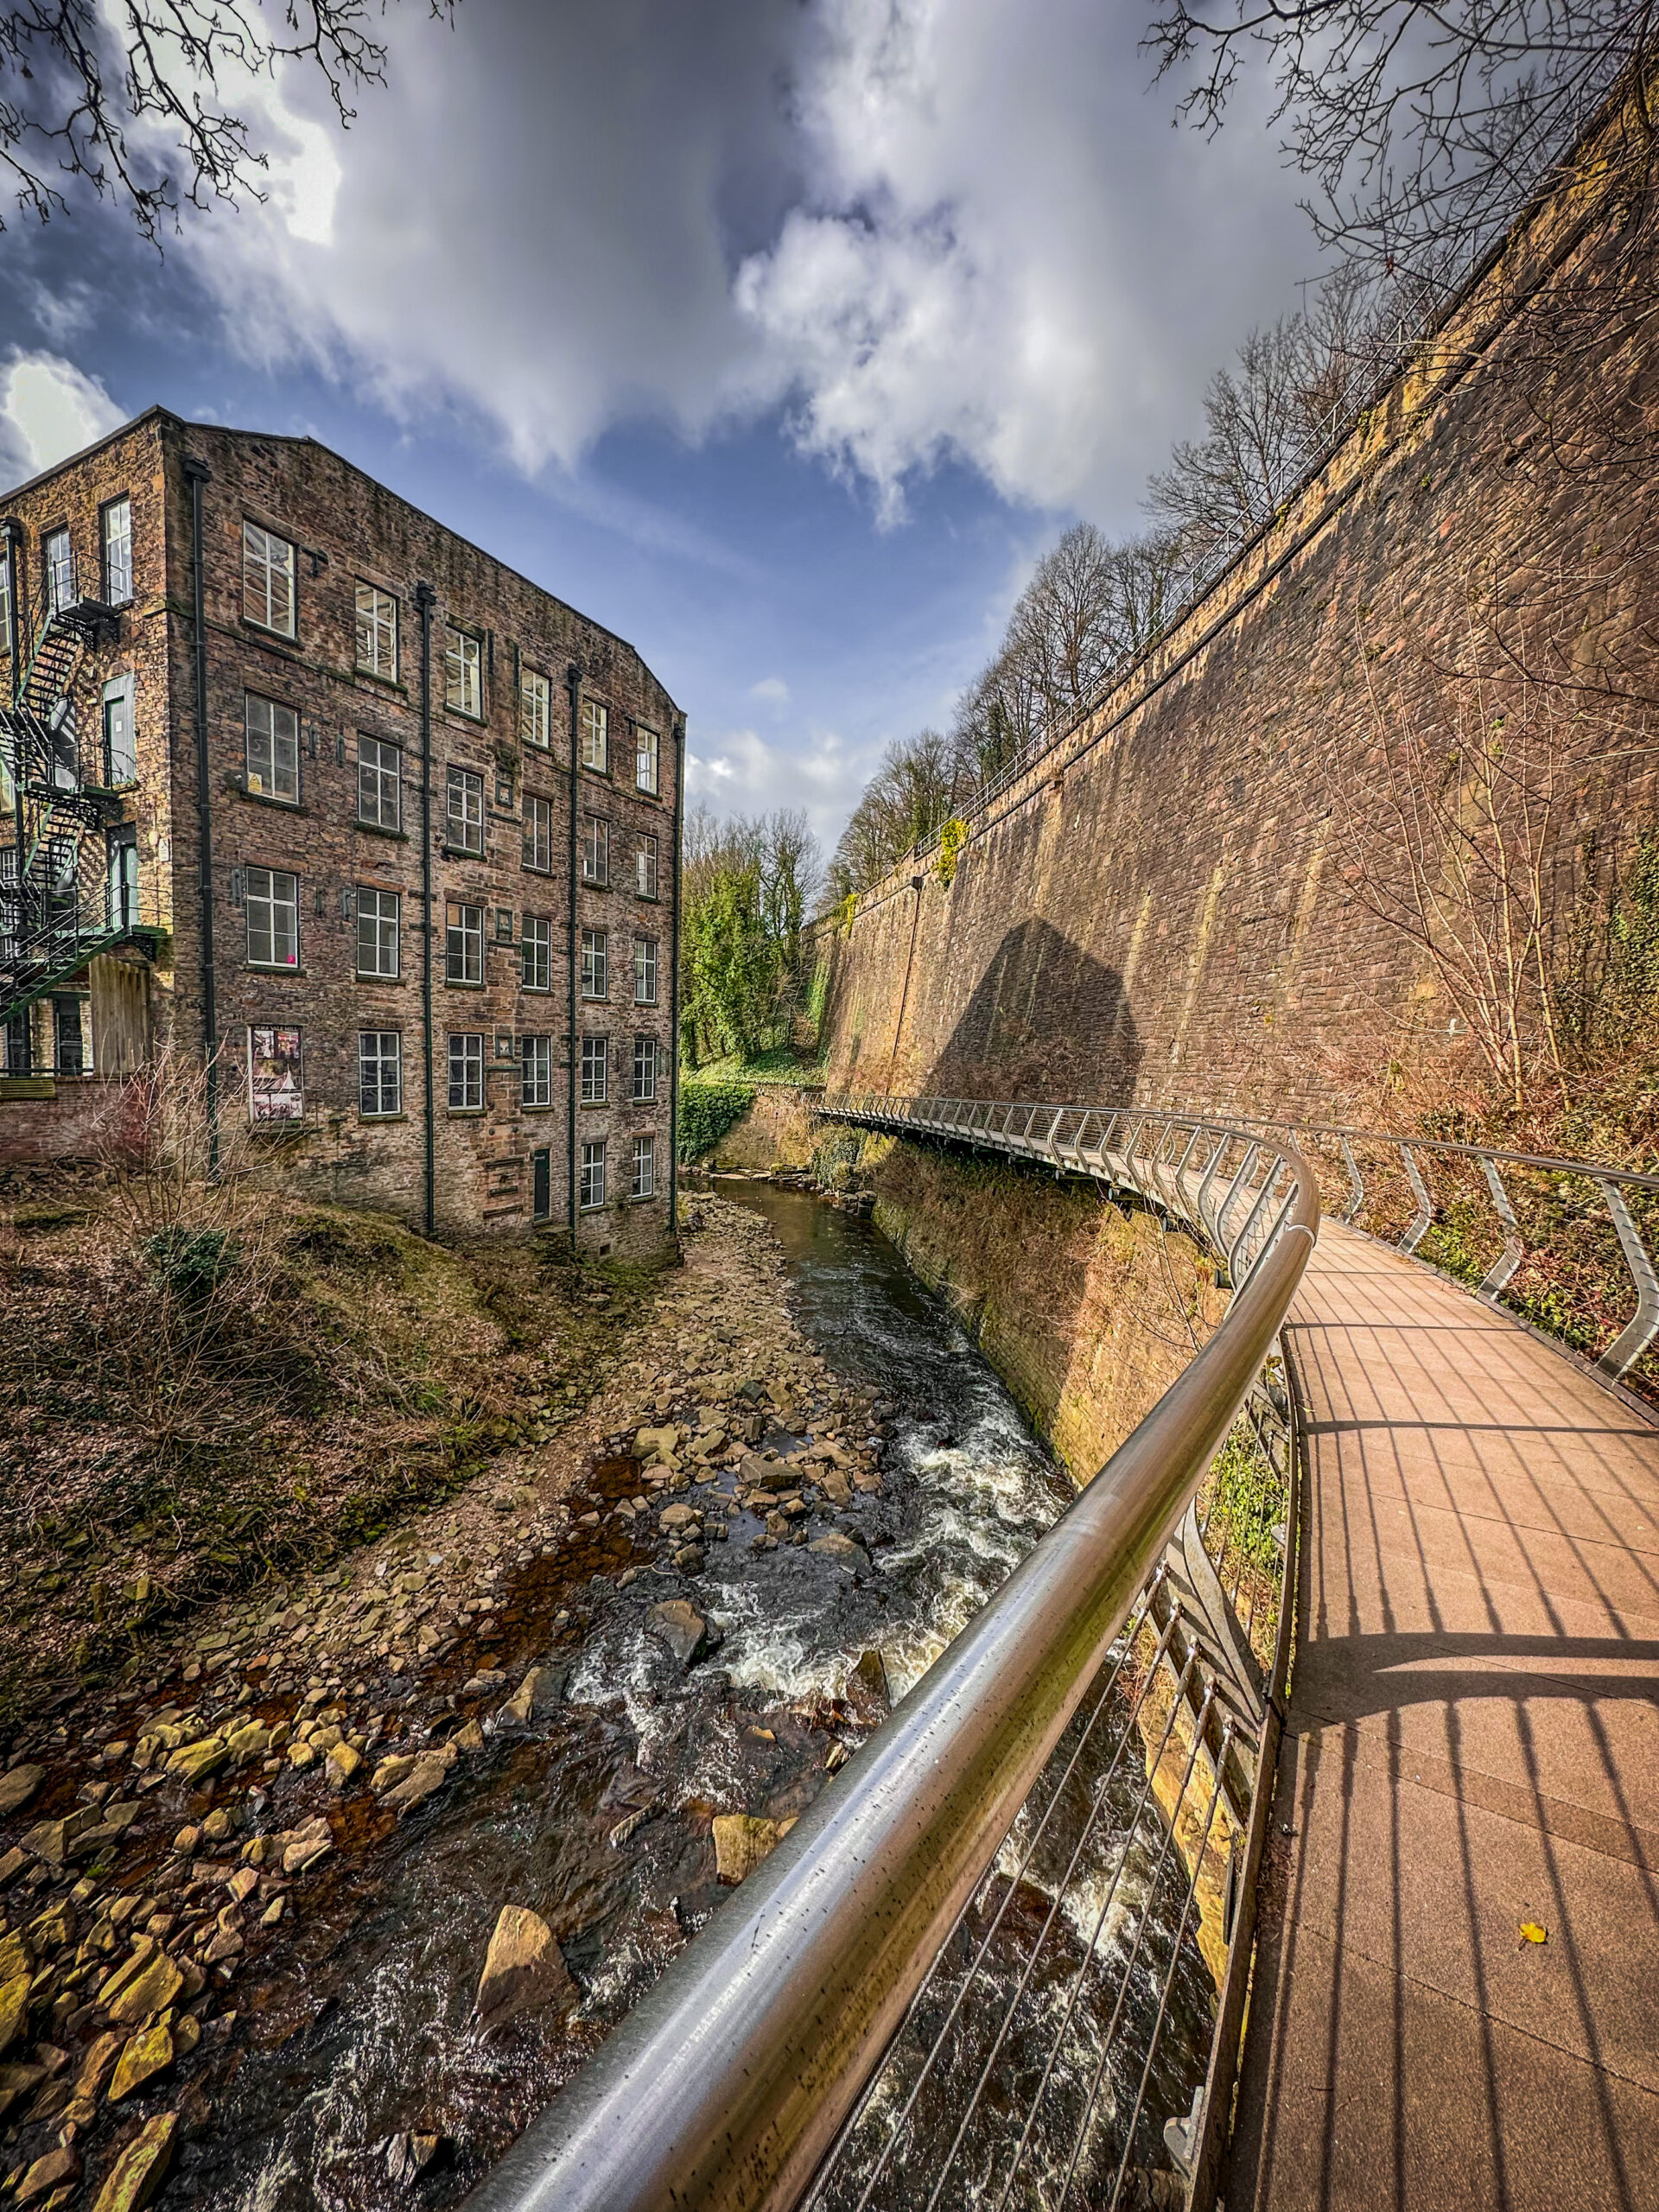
273, 772
271, 900
268, 599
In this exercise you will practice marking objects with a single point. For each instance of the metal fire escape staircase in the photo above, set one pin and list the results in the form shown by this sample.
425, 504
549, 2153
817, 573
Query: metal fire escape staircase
52, 921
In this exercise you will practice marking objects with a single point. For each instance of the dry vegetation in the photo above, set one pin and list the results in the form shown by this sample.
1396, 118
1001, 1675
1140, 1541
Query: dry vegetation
202, 1385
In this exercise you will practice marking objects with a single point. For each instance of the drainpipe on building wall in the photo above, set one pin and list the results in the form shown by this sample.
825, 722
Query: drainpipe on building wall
674, 984
196, 473
424, 597
575, 681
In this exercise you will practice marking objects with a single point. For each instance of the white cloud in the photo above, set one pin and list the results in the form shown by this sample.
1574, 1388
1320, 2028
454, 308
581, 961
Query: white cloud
771, 690
928, 229
740, 772
48, 409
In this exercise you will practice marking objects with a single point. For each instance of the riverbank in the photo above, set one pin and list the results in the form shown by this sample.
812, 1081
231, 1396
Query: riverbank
189, 1855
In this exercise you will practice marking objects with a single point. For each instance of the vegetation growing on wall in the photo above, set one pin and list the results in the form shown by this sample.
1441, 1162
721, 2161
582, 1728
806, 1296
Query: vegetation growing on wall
706, 1112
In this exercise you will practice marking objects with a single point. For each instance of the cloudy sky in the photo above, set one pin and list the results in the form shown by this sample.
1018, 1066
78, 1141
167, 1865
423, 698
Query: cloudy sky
779, 335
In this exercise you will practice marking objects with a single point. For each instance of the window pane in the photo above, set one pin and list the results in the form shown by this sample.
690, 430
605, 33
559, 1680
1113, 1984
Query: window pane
273, 749
464, 944
595, 736
466, 1070
646, 869
533, 704
645, 1069
376, 632
595, 1058
118, 553
535, 1060
466, 800
645, 970
380, 1071
267, 580
538, 834
645, 760
535, 947
273, 917
463, 687
596, 851
592, 1175
377, 918
645, 1167
379, 783
594, 964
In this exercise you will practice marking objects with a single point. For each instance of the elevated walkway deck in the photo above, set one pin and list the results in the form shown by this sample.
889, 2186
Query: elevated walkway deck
1473, 1744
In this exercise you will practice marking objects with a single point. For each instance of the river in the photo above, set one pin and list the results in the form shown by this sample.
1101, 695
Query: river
597, 1816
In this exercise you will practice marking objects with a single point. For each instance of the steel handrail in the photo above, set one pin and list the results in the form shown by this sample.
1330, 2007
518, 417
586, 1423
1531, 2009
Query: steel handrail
727, 2085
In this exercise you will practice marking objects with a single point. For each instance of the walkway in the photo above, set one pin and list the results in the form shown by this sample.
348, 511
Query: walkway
1473, 1744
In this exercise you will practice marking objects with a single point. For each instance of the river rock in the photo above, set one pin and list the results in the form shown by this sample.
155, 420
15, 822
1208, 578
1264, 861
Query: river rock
677, 1516
18, 1786
343, 1763
13, 2010
142, 2167
843, 1550
408, 2156
871, 1675
148, 2053
48, 2173
835, 1486
537, 1695
682, 1629
100, 2055
392, 1769
656, 1444
429, 1773
523, 1968
150, 1990
742, 1840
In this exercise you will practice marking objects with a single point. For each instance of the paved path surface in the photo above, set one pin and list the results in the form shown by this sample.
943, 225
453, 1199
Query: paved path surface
1473, 1743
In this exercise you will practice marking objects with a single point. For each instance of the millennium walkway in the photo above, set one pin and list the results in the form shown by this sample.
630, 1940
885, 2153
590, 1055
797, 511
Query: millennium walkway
1472, 1749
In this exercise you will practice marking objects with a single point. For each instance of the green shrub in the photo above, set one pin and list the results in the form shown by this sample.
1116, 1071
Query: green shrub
706, 1112
190, 1263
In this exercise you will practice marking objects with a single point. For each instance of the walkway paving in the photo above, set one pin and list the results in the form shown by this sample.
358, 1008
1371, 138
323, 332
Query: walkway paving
1473, 1744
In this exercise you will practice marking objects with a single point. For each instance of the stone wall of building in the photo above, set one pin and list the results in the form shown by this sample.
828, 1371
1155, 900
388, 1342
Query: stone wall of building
348, 529
1179, 902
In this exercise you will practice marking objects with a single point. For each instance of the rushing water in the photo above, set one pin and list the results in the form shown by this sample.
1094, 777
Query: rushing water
369, 2033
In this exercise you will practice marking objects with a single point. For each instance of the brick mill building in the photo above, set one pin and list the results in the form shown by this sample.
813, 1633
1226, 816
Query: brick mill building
288, 769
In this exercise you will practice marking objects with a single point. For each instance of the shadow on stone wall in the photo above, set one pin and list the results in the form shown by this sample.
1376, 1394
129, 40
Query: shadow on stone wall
1047, 1020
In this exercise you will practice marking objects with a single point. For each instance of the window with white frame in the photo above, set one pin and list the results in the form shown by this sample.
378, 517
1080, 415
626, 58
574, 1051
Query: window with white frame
592, 1188
273, 749
595, 963
272, 898
466, 811
379, 783
538, 833
267, 580
376, 632
645, 971
644, 1069
596, 737
645, 868
466, 1070
463, 673
463, 947
536, 1065
379, 913
380, 1071
115, 531
595, 1058
536, 949
645, 760
59, 560
595, 850
645, 1167
534, 705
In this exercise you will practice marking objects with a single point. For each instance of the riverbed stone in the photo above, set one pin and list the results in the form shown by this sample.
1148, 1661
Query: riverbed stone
537, 1695
679, 1625
48, 2173
429, 1773
152, 1990
742, 1842
843, 1550
13, 2010
142, 2167
524, 1969
147, 2054
17, 1786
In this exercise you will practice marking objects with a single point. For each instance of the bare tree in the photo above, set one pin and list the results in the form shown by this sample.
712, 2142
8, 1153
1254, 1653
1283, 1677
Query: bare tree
1421, 126
115, 94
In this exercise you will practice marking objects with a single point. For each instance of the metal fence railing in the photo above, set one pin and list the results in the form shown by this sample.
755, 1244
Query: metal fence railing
1095, 1749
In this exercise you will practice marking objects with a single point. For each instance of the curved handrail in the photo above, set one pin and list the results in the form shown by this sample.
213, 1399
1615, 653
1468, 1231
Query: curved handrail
728, 2083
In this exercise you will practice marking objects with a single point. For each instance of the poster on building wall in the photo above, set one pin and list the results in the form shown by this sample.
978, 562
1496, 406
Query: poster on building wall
274, 1081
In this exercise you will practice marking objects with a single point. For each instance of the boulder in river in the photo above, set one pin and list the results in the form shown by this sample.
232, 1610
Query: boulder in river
871, 1675
142, 2167
843, 1550
523, 1968
682, 1629
742, 1840
536, 1696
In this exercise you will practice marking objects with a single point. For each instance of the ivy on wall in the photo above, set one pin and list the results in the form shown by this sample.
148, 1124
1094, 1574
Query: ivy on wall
706, 1112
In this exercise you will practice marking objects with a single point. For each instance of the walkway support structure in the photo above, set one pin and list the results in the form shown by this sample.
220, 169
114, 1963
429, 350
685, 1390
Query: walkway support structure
729, 2087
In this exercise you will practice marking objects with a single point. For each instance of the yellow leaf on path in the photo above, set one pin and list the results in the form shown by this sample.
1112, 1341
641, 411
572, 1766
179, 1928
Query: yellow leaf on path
1534, 1933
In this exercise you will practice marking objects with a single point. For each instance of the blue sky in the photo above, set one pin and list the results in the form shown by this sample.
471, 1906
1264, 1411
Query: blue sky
780, 338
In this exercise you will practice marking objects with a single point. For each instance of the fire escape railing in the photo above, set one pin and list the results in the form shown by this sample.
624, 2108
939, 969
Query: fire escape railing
745, 2078
52, 919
